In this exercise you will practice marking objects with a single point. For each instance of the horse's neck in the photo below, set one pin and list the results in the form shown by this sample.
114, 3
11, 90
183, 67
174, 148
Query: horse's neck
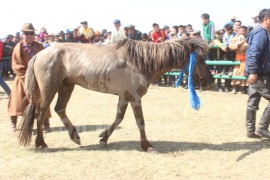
159, 73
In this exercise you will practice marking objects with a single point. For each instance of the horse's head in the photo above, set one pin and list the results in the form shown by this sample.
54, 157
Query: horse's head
201, 73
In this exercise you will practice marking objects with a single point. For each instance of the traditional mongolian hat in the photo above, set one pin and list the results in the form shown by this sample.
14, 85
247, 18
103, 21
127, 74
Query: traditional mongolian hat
28, 27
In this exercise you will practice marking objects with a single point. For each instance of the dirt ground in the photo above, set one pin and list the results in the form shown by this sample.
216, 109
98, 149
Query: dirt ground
208, 144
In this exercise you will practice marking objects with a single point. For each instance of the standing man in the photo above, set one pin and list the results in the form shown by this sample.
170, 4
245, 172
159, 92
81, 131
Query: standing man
2, 82
86, 31
208, 28
8, 49
258, 69
118, 33
22, 54
134, 33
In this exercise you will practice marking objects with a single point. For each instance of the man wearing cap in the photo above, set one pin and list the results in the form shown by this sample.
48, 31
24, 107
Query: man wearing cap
86, 31
8, 49
118, 33
233, 19
18, 36
68, 36
22, 54
134, 33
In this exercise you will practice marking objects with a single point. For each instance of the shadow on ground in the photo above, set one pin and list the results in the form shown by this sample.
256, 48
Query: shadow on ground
83, 128
169, 147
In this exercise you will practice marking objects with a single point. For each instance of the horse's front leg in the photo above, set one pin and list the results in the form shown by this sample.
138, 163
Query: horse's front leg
137, 110
121, 110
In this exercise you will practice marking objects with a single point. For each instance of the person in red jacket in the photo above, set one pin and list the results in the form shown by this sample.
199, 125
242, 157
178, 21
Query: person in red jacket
157, 34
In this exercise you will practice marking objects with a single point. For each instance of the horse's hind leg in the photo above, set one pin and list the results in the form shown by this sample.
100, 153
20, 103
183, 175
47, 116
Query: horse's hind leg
46, 99
64, 94
137, 110
121, 110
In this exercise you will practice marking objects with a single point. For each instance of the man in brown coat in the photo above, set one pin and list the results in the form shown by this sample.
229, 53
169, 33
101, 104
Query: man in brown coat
22, 54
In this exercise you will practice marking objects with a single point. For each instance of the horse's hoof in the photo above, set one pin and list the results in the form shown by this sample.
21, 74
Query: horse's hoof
103, 144
42, 146
152, 150
103, 134
76, 140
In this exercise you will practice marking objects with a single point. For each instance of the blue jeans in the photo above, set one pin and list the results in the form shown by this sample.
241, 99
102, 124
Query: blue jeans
2, 82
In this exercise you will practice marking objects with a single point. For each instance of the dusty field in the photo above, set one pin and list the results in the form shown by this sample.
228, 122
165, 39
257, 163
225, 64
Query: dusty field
209, 144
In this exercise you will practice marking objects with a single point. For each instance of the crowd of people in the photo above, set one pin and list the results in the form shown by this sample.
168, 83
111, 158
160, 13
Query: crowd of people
228, 43
235, 42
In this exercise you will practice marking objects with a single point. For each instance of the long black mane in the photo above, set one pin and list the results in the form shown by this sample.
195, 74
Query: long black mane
148, 57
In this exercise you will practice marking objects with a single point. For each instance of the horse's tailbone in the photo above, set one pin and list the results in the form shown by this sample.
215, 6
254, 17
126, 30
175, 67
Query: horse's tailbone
26, 125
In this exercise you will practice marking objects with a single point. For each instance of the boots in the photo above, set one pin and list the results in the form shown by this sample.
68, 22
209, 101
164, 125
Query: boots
46, 126
250, 123
264, 123
13, 120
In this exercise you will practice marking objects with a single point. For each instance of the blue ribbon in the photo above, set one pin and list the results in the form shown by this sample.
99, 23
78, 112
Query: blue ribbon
194, 98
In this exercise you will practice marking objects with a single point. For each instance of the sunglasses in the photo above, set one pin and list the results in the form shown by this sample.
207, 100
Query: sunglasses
29, 33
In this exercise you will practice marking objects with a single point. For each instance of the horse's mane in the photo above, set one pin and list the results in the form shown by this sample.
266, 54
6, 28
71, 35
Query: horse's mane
148, 57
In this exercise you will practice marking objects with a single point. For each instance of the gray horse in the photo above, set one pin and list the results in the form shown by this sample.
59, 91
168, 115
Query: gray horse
125, 69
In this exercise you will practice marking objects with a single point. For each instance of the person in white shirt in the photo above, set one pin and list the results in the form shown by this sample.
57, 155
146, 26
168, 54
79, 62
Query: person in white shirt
118, 33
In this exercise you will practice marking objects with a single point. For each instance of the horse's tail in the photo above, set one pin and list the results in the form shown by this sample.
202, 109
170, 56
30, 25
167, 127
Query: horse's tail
27, 123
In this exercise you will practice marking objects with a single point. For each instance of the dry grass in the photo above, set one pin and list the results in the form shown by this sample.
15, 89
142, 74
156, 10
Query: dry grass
209, 144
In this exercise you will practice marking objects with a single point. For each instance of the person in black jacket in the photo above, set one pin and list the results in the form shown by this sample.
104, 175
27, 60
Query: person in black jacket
134, 33
257, 69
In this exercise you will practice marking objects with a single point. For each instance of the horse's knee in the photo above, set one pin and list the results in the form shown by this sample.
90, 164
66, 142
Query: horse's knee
59, 110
